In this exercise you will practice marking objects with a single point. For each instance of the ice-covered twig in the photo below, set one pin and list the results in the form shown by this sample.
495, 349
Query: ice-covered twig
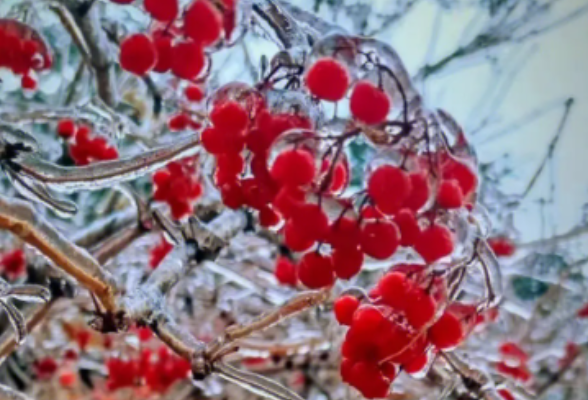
255, 383
100, 175
294, 306
7, 393
21, 219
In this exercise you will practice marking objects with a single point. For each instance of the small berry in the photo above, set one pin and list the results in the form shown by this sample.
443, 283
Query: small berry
311, 220
28, 82
159, 252
449, 194
66, 128
163, 46
316, 270
380, 239
419, 193
187, 60
232, 195
369, 104
344, 232
295, 239
268, 217
506, 394
162, 10
327, 79
347, 261
138, 54
447, 332
393, 288
466, 178
294, 168
416, 365
13, 264
229, 117
194, 93
285, 272
203, 23
434, 243
179, 122
419, 308
389, 187
288, 199
344, 308
408, 226
502, 246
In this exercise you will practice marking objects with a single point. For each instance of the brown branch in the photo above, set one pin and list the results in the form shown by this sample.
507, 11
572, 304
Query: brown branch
19, 218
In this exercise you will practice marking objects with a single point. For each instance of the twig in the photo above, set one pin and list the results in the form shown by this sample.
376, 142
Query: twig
552, 146
19, 218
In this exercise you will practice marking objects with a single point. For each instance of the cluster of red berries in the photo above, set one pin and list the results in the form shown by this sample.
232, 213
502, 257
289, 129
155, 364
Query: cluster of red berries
514, 362
159, 251
20, 54
329, 80
85, 149
158, 371
179, 48
395, 328
13, 264
178, 186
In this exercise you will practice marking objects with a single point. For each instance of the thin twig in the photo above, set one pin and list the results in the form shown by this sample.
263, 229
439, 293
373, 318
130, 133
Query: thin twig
552, 146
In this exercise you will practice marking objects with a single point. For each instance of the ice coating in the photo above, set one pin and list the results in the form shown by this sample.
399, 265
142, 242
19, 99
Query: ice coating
105, 174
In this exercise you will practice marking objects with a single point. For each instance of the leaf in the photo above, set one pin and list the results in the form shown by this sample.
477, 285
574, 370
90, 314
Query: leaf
526, 288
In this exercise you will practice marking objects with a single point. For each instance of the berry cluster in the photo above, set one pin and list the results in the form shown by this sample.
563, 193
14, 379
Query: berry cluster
158, 371
13, 264
180, 46
178, 186
514, 362
85, 149
22, 51
395, 328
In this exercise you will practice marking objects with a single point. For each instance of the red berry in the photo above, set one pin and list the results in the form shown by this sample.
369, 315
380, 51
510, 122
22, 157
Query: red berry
229, 165
295, 239
447, 332
187, 60
232, 195
194, 93
203, 23
434, 243
138, 54
327, 79
288, 199
285, 272
449, 194
13, 264
311, 221
502, 246
316, 270
347, 261
229, 117
163, 46
162, 10
179, 122
216, 141
419, 308
408, 226
513, 350
268, 217
369, 104
419, 193
294, 168
159, 252
380, 239
393, 288
27, 82
66, 128
466, 178
417, 364
344, 232
505, 394
389, 187
344, 308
